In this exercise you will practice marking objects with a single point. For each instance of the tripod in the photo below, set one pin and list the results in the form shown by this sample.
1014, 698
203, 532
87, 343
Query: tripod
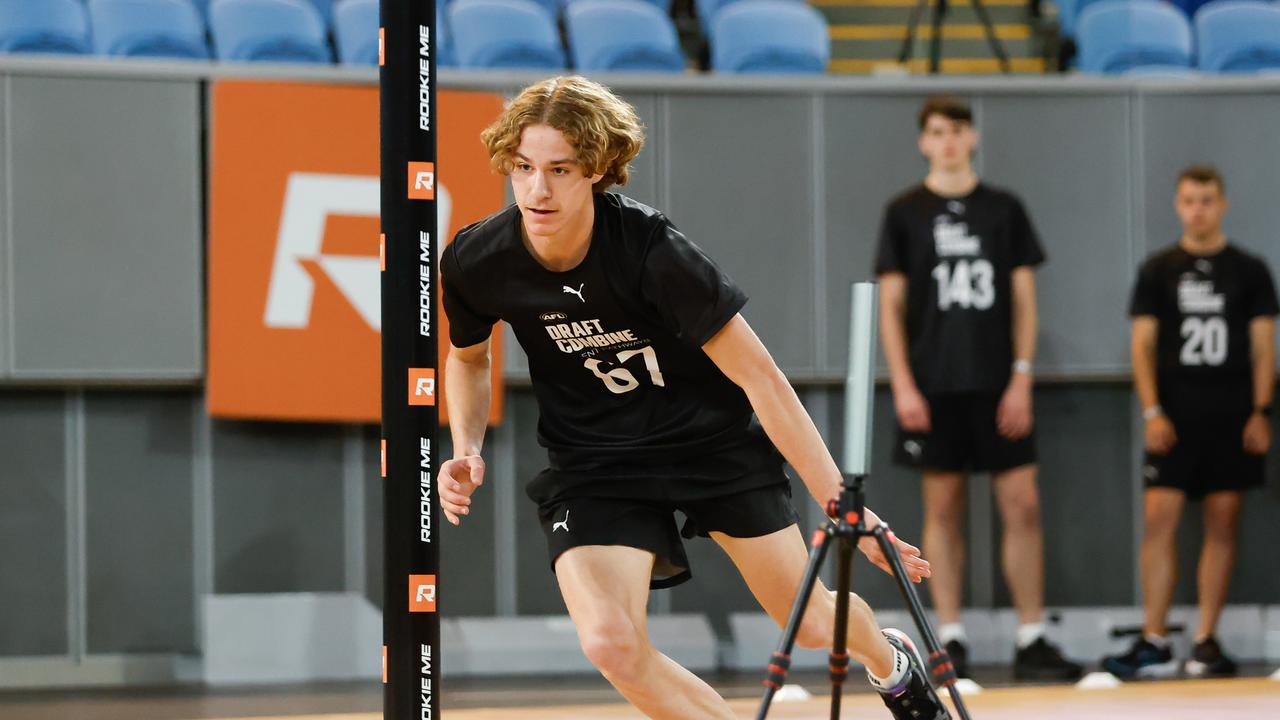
940, 9
846, 527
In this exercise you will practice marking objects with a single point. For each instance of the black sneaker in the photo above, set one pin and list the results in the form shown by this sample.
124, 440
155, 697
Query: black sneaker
1208, 660
1144, 660
914, 698
1042, 661
959, 654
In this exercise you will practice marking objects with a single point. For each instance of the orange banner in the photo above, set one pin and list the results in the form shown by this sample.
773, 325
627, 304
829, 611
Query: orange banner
295, 252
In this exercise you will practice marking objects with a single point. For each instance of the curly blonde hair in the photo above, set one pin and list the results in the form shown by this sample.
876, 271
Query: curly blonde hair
604, 130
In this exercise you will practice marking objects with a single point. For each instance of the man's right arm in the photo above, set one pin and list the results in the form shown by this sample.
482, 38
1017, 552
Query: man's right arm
1160, 435
912, 410
467, 390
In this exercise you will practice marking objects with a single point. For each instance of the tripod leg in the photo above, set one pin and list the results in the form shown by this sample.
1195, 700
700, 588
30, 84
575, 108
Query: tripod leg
839, 665
909, 40
935, 40
780, 663
997, 47
944, 673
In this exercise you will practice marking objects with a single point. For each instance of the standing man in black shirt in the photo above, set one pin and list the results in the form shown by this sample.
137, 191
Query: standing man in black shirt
958, 324
649, 385
1204, 368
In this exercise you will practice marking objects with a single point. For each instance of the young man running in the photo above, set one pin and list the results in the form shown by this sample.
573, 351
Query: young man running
1204, 368
649, 385
958, 323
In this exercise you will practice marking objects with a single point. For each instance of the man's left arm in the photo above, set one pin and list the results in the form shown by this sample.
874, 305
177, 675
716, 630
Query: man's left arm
1014, 418
1262, 352
740, 355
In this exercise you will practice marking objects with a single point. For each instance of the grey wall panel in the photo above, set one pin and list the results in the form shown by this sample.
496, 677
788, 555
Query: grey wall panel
138, 472
467, 551
33, 527
277, 504
106, 228
1077, 191
6, 212
739, 184
374, 540
1227, 130
539, 594
646, 172
870, 156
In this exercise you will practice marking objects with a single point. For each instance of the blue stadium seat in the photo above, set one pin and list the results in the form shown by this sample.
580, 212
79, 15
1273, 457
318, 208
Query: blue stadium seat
148, 28
268, 31
1117, 36
43, 26
708, 9
769, 36
355, 31
505, 34
445, 54
633, 35
1068, 12
1238, 36
663, 5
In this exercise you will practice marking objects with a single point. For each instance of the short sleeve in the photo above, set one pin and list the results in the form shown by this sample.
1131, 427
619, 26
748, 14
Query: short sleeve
891, 252
468, 325
1146, 292
694, 298
1262, 295
1024, 241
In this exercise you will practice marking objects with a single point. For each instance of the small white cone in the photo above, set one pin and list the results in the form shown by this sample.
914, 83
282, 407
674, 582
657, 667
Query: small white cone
965, 686
1098, 681
1276, 676
792, 693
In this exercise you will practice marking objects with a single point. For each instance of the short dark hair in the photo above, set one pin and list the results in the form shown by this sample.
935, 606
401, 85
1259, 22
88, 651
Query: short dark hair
948, 106
1203, 174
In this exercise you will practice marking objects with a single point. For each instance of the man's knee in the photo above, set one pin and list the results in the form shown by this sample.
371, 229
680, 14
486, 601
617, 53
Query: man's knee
616, 649
1022, 513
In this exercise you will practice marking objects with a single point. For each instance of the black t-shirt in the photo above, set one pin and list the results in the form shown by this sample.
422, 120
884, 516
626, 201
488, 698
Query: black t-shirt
1203, 305
958, 256
625, 392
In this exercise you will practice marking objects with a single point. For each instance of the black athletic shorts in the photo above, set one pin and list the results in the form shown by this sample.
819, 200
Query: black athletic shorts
963, 438
1208, 457
651, 524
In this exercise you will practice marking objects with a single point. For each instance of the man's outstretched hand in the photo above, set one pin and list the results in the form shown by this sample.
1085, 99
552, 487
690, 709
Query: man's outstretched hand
458, 479
917, 567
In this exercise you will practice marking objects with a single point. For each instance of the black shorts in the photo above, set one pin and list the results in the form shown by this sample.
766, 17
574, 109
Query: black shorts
963, 438
1208, 457
651, 524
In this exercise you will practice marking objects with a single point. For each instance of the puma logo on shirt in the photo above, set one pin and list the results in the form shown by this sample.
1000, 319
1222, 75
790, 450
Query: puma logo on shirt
577, 292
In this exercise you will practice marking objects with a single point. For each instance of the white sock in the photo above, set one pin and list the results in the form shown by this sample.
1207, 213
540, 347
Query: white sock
1159, 641
901, 664
1029, 633
951, 631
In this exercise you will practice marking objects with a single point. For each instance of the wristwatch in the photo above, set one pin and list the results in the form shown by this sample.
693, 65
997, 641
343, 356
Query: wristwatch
1152, 412
1263, 410
1022, 366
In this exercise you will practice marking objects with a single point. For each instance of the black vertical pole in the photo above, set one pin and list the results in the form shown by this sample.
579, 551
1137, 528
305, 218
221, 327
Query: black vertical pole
411, 625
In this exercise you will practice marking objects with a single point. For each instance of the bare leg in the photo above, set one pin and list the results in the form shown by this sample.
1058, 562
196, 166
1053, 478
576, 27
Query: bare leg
1160, 556
944, 512
1022, 548
1217, 558
606, 589
773, 566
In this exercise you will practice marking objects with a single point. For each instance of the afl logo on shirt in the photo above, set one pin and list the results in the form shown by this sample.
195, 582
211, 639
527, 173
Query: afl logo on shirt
551, 316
